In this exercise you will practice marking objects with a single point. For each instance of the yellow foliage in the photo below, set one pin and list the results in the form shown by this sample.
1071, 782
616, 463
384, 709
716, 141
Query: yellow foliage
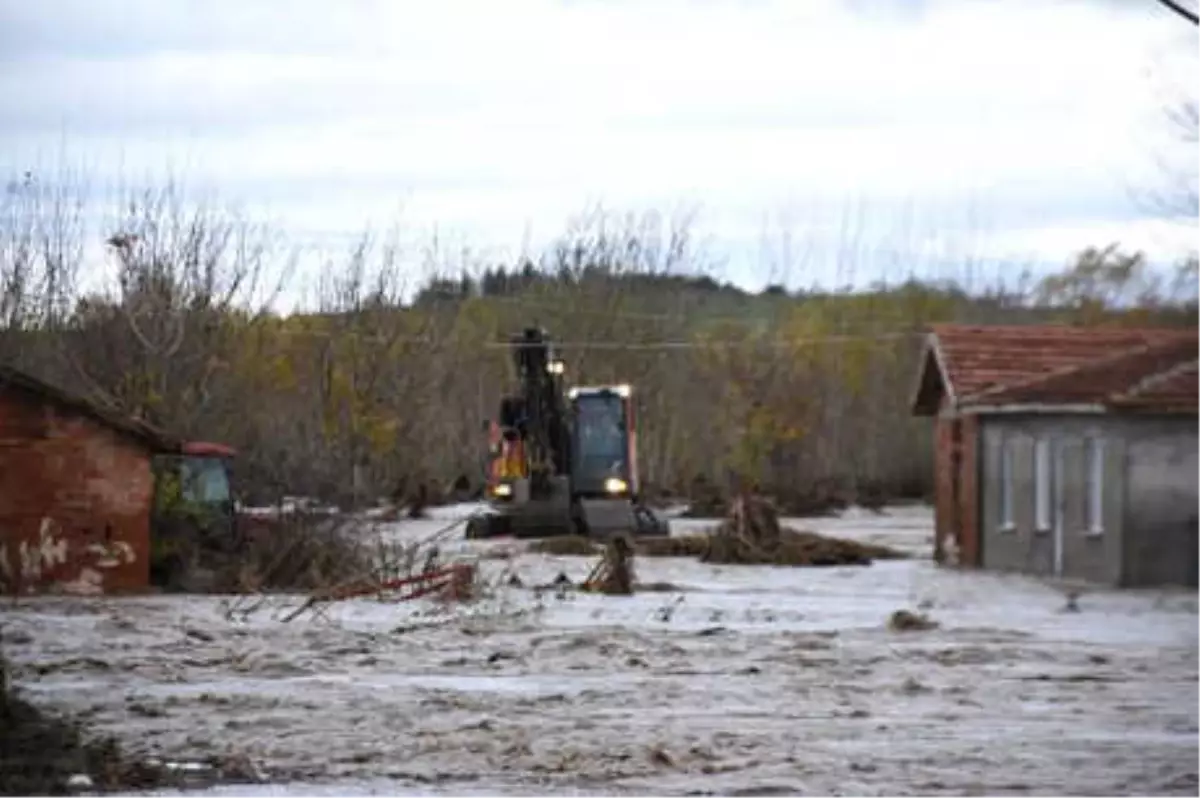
380, 434
283, 372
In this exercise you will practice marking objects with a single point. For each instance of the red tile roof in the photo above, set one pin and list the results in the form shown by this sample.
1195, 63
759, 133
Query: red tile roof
1128, 369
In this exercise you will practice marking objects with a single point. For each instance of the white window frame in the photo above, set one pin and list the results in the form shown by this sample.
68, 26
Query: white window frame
1043, 476
1095, 461
1007, 504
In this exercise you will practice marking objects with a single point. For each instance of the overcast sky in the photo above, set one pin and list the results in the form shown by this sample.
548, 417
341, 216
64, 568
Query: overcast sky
1011, 129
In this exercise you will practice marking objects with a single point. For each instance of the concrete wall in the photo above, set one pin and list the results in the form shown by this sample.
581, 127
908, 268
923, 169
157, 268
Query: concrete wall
1161, 519
75, 501
1148, 527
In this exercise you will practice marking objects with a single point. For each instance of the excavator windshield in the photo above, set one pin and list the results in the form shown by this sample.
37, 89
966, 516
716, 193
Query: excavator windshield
601, 446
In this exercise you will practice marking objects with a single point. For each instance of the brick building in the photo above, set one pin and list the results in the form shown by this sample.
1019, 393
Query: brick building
76, 492
1063, 451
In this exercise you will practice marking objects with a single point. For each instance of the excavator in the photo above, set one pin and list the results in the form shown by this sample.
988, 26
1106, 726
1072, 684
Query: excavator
562, 461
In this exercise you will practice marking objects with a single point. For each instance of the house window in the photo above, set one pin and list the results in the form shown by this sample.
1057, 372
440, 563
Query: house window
1041, 484
1095, 486
1006, 484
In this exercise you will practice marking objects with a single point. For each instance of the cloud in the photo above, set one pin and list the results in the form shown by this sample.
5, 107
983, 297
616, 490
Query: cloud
493, 118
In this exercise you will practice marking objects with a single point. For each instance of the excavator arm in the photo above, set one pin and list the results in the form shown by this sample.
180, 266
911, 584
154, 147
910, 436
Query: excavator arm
542, 420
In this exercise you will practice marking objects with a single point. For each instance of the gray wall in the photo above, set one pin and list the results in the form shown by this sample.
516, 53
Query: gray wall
1149, 528
1161, 518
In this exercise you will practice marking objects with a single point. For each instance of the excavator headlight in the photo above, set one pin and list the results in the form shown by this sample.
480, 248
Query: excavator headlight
615, 485
556, 367
503, 490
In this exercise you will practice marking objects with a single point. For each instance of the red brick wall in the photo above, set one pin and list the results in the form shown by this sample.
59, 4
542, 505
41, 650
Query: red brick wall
943, 486
968, 492
75, 502
956, 488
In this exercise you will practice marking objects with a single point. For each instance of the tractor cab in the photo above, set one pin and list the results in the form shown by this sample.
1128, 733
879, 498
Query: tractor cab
198, 477
194, 506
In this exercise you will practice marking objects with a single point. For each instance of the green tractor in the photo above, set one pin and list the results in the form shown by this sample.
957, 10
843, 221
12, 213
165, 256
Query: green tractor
194, 514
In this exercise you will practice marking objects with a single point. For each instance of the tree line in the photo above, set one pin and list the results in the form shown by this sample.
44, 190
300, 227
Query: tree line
371, 388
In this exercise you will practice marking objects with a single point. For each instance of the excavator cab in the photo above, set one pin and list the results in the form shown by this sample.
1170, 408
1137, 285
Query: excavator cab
603, 459
605, 487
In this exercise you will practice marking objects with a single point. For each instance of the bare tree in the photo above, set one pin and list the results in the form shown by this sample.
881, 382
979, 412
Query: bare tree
360, 355
42, 234
1181, 197
190, 279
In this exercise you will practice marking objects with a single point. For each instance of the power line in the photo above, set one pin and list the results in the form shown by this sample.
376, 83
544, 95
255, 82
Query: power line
778, 341
1190, 16
699, 319
781, 342
754, 317
617, 315
621, 314
682, 316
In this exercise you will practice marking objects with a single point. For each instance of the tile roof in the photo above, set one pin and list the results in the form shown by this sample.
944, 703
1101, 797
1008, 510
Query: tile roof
146, 434
1120, 368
